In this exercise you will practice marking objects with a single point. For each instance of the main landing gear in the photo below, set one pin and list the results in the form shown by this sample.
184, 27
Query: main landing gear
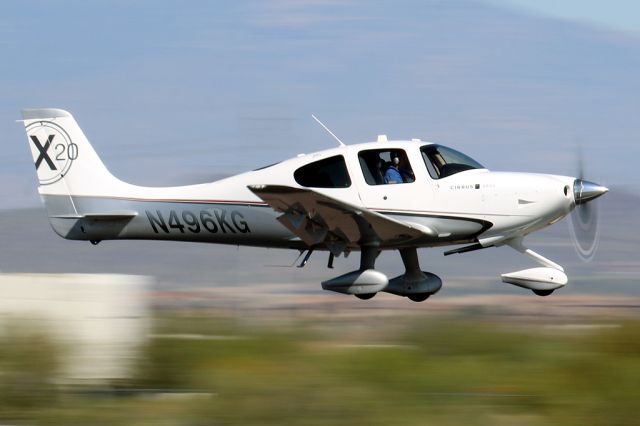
366, 282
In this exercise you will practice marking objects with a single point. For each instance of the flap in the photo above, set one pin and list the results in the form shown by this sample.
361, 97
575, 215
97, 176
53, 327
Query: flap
317, 218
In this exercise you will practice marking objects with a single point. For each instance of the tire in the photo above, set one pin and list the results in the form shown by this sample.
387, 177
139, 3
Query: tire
542, 293
365, 296
419, 297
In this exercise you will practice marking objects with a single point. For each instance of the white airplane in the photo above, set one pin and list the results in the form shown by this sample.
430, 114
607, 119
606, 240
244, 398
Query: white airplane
384, 195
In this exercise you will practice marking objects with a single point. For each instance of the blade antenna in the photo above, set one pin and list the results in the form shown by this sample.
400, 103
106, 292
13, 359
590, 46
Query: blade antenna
327, 129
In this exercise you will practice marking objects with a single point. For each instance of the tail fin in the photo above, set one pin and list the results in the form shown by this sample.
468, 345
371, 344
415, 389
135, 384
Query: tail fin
65, 161
70, 176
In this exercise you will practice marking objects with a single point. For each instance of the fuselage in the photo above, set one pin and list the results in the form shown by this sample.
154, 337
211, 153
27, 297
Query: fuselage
463, 204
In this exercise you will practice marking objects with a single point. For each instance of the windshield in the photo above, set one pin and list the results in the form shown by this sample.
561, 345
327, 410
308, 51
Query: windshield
442, 161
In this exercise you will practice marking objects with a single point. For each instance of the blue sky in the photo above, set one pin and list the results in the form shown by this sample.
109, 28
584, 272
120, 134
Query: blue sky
172, 92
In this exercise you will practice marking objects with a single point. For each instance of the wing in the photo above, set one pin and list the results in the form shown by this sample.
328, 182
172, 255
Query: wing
319, 219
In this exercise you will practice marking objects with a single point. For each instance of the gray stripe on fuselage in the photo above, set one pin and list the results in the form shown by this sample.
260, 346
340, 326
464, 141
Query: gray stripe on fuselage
450, 229
222, 223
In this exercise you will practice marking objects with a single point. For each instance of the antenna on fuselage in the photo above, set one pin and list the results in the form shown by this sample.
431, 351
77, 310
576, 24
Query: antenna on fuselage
327, 129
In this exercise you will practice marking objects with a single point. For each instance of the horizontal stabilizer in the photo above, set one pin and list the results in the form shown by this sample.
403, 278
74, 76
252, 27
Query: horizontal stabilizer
117, 215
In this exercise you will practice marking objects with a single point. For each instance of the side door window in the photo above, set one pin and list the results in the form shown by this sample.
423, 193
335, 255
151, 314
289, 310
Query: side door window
385, 166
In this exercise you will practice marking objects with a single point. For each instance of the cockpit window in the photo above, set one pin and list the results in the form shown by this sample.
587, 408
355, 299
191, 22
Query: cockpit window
383, 166
328, 173
442, 161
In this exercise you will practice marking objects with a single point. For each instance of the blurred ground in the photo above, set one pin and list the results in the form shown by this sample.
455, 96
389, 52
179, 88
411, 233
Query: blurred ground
237, 339
483, 360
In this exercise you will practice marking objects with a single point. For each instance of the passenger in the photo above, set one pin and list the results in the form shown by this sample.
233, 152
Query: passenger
393, 175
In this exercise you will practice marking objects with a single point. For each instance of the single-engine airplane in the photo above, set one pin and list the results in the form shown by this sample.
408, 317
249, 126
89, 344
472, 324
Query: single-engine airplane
368, 197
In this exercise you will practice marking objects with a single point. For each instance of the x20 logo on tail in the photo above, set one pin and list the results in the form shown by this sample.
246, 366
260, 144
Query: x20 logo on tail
52, 150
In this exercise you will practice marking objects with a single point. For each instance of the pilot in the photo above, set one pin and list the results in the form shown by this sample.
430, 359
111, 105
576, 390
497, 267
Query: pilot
393, 175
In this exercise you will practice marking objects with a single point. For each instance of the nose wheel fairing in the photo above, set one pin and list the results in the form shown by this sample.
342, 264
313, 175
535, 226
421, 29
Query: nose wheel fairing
542, 281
